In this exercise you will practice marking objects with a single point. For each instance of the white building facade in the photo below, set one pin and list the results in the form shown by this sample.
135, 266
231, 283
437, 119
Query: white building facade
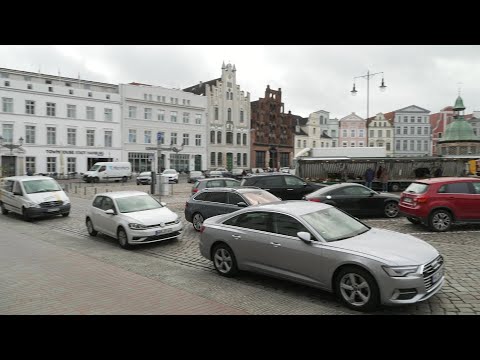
380, 133
66, 124
228, 124
412, 132
178, 117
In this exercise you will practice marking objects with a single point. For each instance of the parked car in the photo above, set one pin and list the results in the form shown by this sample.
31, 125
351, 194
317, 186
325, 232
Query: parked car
172, 175
144, 178
194, 176
357, 200
132, 217
284, 186
216, 201
214, 183
303, 242
285, 170
215, 174
33, 196
238, 174
108, 171
441, 202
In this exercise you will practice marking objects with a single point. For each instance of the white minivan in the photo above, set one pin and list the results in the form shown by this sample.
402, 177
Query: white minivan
33, 196
105, 171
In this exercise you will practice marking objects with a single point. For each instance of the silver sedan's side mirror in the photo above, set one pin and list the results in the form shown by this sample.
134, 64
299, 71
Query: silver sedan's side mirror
163, 203
110, 212
305, 237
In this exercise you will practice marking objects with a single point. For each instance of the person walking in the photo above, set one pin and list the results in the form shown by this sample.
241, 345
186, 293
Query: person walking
384, 180
369, 175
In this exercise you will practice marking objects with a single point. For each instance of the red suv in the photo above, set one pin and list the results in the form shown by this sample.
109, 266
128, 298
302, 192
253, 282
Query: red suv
441, 202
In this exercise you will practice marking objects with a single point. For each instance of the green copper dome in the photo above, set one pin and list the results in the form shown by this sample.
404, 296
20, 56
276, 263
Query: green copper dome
459, 130
459, 104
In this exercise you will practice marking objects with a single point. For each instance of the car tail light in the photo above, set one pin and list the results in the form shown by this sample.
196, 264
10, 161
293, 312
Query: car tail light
315, 200
201, 229
421, 199
194, 190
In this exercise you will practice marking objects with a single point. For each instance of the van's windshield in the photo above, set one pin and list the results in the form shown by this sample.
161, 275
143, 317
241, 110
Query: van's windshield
95, 167
42, 185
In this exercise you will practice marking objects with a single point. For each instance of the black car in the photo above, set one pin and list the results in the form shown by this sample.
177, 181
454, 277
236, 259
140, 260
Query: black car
282, 185
357, 200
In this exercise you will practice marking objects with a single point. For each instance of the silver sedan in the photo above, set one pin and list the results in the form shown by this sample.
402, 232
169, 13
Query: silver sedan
324, 247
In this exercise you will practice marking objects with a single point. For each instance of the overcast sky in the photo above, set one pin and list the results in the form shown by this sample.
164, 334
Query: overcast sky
312, 77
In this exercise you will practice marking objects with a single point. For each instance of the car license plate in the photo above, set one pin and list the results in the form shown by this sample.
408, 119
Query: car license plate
437, 276
53, 210
163, 231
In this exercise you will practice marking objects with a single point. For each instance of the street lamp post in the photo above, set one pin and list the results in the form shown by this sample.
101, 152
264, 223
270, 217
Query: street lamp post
11, 146
383, 87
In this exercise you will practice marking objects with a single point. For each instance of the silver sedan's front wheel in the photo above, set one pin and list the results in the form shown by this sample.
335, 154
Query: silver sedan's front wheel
224, 260
357, 289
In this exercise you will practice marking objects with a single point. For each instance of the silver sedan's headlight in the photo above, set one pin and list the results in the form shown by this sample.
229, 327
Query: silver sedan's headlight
136, 226
400, 271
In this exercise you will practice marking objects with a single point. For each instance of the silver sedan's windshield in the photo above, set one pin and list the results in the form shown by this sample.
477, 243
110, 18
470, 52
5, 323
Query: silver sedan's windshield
137, 203
334, 224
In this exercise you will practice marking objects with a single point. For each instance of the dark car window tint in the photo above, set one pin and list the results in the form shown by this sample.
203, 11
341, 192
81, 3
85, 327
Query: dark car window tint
293, 181
255, 220
458, 188
97, 202
219, 197
271, 181
356, 190
234, 199
8, 186
215, 183
107, 203
476, 186
286, 225
201, 196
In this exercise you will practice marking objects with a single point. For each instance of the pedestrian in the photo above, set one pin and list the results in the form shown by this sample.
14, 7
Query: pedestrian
369, 175
384, 180
438, 172
29, 172
379, 172
244, 173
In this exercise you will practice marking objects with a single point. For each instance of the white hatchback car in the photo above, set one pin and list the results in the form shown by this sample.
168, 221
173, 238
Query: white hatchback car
172, 175
132, 217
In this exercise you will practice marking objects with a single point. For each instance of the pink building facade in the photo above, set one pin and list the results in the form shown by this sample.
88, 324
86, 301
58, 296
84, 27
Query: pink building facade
352, 131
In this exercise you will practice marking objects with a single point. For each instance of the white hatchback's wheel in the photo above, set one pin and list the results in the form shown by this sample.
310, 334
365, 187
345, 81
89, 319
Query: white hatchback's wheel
123, 238
91, 230
197, 221
357, 289
224, 260
391, 209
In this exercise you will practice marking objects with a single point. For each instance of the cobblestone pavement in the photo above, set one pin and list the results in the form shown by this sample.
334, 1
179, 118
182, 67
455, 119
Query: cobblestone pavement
258, 294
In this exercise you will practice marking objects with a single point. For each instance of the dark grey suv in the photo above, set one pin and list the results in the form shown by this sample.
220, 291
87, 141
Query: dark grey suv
285, 186
201, 184
216, 201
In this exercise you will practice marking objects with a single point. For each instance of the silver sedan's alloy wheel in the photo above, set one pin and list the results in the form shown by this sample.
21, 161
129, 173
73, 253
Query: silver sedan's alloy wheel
391, 209
197, 221
223, 260
355, 290
441, 221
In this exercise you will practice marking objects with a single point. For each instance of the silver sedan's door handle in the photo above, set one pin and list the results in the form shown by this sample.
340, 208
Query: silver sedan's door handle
236, 236
275, 244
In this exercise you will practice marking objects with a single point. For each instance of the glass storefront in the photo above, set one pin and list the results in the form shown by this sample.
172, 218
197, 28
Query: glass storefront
180, 162
140, 161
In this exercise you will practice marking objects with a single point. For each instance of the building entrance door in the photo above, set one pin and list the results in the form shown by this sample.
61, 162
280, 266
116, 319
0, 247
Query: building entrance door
9, 165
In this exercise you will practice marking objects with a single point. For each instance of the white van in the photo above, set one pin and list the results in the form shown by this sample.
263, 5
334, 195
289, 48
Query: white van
105, 171
33, 196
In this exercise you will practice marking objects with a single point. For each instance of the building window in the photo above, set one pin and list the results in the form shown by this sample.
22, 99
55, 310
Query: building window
70, 92
212, 158
186, 139
419, 119
132, 136
145, 97
7, 105
29, 86
344, 143
150, 97
71, 111
352, 133
107, 97
419, 145
108, 138
239, 139
212, 137
219, 159
216, 113
71, 136
219, 137
412, 119
360, 144
90, 113
30, 134
173, 138
30, 107
426, 130
397, 145
51, 135
372, 133
132, 112
398, 130
89, 94
405, 119
380, 133
148, 114
419, 131
162, 137
90, 137
372, 144
7, 133
183, 101
51, 164
412, 130
244, 139
412, 145
315, 143
171, 100
186, 117
229, 115
361, 133
198, 140
48, 82
108, 114
30, 164
50, 88
352, 144
387, 146
344, 133
161, 115
405, 145
173, 116
71, 164
299, 143
241, 116
229, 137
198, 119
388, 133
425, 145
244, 159
405, 130
6, 83
147, 137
